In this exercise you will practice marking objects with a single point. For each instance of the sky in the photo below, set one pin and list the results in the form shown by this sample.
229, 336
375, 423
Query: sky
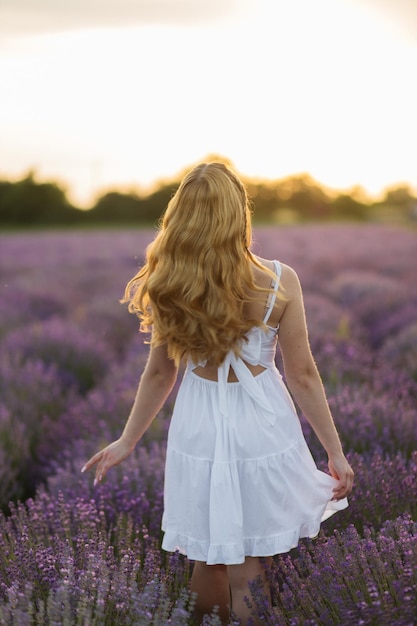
119, 94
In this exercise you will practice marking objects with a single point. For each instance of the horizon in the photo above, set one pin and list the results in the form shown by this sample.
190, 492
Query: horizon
356, 190
129, 95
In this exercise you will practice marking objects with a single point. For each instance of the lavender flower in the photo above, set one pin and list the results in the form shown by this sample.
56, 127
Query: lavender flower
69, 366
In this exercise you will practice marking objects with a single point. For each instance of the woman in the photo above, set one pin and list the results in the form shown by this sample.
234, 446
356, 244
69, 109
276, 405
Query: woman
240, 482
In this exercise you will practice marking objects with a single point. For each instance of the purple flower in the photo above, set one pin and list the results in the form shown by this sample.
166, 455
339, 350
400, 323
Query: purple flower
69, 366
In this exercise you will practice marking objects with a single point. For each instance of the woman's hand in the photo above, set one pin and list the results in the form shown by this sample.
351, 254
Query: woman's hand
112, 455
340, 469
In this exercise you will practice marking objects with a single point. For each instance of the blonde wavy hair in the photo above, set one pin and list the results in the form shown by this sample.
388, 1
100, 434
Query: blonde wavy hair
198, 272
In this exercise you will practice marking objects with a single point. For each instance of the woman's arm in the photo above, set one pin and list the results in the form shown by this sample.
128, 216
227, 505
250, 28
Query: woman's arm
304, 382
157, 380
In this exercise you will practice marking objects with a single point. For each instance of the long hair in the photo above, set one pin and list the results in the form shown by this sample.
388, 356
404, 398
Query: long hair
198, 273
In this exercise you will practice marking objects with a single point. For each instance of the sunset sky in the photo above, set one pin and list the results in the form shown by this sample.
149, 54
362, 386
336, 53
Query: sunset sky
120, 93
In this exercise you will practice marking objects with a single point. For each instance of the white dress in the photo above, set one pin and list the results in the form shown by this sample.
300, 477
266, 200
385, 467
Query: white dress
239, 477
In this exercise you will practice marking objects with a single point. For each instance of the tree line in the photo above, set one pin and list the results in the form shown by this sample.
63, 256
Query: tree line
27, 202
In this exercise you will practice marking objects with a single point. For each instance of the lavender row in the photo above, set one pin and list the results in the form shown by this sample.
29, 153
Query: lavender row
62, 563
42, 410
69, 366
65, 335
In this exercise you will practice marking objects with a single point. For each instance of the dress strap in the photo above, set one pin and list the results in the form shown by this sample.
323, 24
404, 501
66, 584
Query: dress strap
273, 296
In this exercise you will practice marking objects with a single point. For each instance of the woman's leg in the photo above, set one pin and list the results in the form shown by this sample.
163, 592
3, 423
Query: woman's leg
211, 584
239, 577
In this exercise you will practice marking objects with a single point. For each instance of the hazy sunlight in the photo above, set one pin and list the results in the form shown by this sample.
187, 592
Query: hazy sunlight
278, 88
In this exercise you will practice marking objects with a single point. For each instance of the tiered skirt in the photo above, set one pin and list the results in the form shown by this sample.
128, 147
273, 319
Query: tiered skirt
242, 484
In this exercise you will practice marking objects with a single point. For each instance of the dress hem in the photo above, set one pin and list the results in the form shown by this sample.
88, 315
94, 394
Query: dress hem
235, 553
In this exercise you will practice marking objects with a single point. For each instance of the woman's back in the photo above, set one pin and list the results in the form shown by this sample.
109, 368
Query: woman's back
263, 306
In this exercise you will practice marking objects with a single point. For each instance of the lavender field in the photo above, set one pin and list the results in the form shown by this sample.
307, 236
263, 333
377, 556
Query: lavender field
70, 361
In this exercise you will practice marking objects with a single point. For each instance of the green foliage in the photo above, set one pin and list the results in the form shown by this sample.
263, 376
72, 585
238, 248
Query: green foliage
130, 207
292, 199
345, 206
28, 202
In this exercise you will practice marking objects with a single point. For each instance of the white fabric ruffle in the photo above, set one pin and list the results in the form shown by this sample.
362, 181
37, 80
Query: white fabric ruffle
237, 484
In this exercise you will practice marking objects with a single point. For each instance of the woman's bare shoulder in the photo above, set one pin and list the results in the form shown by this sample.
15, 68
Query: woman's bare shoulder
290, 282
288, 273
